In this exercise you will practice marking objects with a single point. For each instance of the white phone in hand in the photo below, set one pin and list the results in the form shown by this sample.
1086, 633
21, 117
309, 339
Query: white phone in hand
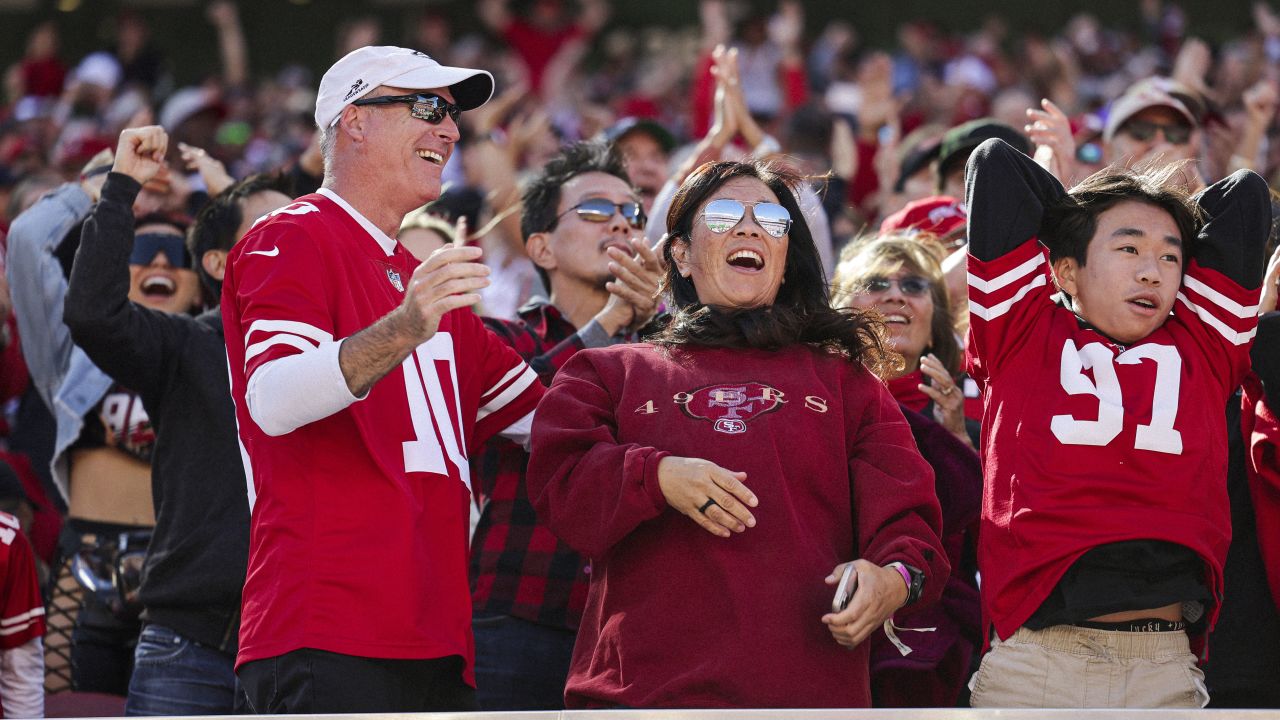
844, 590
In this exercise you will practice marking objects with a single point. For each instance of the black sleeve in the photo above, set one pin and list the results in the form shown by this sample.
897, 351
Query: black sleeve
129, 342
1266, 356
1007, 194
1238, 220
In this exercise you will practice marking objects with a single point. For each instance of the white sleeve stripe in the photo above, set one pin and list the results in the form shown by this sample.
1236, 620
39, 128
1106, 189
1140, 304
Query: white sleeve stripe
999, 309
1219, 299
511, 393
254, 351
519, 368
9, 520
1235, 338
1007, 278
24, 617
4, 632
289, 326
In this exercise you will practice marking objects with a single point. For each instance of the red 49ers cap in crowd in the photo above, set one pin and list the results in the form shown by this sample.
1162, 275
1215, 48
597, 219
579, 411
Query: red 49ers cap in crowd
362, 70
939, 215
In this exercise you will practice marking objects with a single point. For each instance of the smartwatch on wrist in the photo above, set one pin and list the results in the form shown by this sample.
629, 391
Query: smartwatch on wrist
915, 580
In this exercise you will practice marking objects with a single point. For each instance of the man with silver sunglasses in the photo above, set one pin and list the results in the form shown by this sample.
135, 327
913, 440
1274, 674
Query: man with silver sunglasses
583, 229
362, 384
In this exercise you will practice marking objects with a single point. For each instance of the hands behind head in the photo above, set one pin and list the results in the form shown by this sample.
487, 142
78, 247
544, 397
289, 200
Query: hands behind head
140, 152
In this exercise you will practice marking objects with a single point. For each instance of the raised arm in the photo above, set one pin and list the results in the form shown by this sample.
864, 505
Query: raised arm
1008, 193
1008, 272
126, 341
1238, 219
38, 287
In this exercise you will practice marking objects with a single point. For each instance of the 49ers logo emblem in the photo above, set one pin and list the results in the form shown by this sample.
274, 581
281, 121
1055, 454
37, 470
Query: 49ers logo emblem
730, 407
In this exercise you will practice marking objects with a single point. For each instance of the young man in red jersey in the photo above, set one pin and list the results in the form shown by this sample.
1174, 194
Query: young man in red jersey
1108, 325
363, 382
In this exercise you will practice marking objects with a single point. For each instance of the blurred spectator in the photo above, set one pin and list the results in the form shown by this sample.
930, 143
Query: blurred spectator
547, 28
645, 148
22, 617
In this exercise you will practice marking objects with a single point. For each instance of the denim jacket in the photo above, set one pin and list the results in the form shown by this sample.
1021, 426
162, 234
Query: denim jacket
68, 382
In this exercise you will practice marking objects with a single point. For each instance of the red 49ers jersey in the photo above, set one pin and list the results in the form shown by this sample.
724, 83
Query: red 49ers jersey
21, 607
1087, 442
359, 535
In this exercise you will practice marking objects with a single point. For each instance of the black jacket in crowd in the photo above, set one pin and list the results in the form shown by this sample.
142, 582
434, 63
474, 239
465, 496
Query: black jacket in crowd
195, 565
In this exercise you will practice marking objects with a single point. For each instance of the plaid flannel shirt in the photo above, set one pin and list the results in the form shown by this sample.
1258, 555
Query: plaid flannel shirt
518, 567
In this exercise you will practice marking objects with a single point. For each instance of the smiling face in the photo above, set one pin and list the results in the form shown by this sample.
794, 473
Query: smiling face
410, 153
159, 284
1133, 269
742, 267
908, 316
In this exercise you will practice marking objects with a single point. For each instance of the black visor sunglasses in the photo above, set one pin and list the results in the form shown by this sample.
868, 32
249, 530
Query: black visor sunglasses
431, 108
600, 210
148, 245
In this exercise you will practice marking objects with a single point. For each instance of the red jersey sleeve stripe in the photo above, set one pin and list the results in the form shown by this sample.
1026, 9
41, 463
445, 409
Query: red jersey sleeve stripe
293, 327
20, 622
1000, 308
1216, 288
9, 520
511, 374
513, 391
1004, 279
282, 339
1232, 336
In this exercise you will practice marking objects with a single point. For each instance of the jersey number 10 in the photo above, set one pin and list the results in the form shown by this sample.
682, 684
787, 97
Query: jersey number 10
1159, 435
429, 411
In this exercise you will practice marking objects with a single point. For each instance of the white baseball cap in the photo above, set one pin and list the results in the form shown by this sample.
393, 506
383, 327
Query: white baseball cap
364, 69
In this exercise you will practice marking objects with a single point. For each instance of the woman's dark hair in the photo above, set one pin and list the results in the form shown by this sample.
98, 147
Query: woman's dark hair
799, 314
1068, 225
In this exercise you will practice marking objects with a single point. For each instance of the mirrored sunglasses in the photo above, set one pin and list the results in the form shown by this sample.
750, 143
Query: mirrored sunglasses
724, 214
911, 285
600, 210
148, 245
1145, 130
431, 108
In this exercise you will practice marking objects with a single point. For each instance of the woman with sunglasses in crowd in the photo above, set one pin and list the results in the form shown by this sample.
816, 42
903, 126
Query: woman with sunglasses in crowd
724, 475
898, 276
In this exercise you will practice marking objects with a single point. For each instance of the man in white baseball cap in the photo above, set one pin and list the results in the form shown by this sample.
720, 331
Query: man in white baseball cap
361, 381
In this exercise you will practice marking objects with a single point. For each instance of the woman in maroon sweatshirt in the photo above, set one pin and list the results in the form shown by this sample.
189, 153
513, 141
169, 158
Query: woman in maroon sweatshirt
723, 475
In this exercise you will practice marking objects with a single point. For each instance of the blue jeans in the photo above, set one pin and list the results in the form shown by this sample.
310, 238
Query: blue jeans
173, 675
520, 665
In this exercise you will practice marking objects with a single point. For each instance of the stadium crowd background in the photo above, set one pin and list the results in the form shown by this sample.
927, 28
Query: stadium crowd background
239, 83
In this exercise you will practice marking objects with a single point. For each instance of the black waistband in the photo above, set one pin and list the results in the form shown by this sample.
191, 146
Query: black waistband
1137, 625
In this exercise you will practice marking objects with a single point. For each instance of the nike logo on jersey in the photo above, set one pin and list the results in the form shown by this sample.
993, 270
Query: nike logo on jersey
265, 253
